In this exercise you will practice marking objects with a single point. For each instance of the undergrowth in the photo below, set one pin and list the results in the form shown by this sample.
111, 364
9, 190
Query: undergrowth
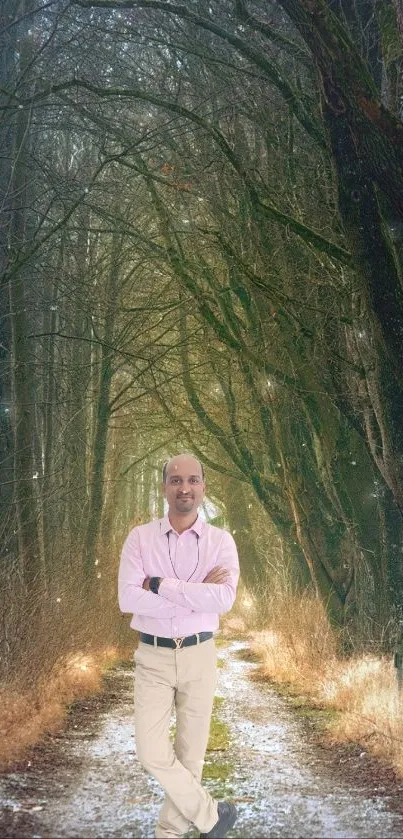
54, 652
297, 648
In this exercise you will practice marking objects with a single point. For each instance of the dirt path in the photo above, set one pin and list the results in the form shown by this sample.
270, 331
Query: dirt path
87, 783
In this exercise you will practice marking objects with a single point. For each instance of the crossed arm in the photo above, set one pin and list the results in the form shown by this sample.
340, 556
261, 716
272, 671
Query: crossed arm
176, 598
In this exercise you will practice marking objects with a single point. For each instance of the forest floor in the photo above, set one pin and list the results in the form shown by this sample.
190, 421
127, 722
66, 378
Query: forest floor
269, 756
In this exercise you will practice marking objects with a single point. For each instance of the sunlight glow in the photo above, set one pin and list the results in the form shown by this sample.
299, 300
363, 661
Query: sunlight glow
247, 602
81, 662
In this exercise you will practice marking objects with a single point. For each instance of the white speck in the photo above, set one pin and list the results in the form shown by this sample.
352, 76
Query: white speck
353, 462
35, 476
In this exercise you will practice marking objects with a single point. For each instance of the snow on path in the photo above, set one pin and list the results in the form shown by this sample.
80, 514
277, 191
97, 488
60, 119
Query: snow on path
294, 794
282, 786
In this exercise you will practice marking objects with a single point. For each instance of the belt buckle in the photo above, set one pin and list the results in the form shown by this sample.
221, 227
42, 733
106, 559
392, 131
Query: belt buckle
178, 642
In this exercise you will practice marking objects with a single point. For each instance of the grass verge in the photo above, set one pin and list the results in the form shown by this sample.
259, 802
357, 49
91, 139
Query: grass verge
356, 698
27, 714
217, 768
54, 651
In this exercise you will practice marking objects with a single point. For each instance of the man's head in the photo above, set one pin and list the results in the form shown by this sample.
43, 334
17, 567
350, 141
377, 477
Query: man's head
183, 484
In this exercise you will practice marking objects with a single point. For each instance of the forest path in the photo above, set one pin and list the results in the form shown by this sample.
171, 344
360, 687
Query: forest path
86, 782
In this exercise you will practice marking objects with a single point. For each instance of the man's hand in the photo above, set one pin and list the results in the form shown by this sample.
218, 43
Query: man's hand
217, 575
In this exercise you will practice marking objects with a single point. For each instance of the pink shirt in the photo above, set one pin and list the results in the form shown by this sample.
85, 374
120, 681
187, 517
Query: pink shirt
184, 604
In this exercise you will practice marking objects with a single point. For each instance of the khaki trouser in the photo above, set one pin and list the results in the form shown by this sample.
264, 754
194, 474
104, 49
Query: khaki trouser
184, 678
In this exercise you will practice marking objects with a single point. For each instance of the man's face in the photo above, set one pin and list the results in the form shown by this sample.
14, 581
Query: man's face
184, 487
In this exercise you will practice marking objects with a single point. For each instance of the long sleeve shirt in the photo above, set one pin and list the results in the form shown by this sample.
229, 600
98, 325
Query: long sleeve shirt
184, 604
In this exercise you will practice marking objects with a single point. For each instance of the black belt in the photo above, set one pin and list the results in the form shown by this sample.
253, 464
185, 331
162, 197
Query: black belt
175, 643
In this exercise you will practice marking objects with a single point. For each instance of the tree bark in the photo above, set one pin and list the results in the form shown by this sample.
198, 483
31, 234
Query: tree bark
21, 370
97, 469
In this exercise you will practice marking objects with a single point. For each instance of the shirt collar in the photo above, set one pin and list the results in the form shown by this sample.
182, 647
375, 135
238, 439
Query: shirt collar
166, 525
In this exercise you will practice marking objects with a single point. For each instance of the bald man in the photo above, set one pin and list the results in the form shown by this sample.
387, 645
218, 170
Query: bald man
177, 575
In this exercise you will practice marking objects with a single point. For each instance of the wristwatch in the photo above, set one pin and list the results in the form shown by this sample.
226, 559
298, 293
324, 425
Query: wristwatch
155, 584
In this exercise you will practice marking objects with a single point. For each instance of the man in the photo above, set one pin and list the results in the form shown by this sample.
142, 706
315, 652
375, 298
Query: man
177, 574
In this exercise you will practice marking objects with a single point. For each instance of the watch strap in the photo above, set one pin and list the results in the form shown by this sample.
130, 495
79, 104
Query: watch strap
155, 584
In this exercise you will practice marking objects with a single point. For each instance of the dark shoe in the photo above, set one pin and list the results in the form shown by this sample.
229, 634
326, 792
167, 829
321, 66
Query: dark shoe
226, 819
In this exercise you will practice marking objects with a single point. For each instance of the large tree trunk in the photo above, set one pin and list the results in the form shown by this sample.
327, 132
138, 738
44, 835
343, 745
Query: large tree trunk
367, 147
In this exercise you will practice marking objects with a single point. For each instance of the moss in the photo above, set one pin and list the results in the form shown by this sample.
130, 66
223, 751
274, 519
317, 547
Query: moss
221, 642
246, 654
216, 771
116, 664
303, 705
219, 735
219, 731
220, 663
216, 775
295, 699
321, 718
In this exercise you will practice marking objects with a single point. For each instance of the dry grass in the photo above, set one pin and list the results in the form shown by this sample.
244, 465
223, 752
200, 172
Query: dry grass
27, 714
297, 647
364, 690
55, 653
